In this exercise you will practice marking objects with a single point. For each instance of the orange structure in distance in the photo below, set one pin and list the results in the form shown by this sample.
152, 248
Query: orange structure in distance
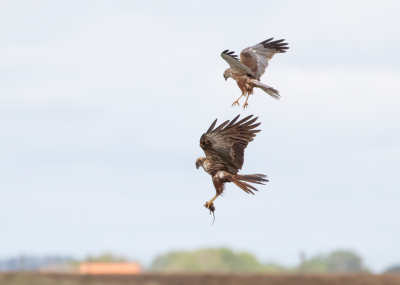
109, 268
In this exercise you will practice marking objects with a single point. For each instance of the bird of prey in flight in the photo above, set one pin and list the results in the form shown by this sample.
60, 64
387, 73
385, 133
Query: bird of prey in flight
224, 148
253, 62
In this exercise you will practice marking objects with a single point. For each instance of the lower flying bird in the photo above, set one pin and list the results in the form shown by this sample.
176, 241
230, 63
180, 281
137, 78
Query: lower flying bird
224, 148
253, 62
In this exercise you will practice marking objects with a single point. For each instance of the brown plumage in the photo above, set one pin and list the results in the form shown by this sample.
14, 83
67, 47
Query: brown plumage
253, 61
224, 148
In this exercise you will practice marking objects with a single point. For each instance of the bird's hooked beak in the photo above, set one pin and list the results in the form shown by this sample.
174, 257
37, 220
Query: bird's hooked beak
226, 78
200, 162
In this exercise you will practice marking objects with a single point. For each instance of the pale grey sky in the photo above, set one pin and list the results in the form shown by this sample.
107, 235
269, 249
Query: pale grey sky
102, 104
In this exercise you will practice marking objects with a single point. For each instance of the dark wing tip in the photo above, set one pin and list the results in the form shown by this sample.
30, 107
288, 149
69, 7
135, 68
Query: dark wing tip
263, 42
243, 120
278, 45
232, 122
231, 54
211, 127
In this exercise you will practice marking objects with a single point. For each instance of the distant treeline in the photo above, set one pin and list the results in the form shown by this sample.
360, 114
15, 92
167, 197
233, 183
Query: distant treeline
31, 263
203, 260
226, 260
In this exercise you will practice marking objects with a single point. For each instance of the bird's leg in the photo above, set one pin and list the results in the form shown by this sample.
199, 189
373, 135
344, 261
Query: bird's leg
245, 103
210, 204
237, 101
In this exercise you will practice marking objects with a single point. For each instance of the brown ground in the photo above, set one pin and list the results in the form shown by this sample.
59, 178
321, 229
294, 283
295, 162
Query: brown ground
195, 279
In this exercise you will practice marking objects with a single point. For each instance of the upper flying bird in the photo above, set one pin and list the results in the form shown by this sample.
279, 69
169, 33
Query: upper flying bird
224, 148
253, 62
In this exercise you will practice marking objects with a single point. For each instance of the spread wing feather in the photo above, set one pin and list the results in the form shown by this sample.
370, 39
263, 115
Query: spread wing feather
224, 146
235, 64
257, 57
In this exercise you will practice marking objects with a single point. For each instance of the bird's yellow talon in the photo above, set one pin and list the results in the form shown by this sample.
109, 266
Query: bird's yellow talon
245, 106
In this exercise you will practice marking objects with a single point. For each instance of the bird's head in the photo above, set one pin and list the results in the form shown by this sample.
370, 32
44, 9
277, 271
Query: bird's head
200, 161
227, 74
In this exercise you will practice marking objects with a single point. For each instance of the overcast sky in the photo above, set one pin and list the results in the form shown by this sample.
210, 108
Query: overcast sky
102, 105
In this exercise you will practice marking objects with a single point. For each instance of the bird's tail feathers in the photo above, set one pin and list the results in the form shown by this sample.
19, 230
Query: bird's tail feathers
240, 181
270, 90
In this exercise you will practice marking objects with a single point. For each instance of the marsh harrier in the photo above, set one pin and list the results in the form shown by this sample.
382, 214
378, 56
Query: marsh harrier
224, 148
253, 62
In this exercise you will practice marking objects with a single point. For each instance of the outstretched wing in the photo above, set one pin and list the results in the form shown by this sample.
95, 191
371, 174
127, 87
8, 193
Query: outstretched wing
234, 63
256, 58
225, 145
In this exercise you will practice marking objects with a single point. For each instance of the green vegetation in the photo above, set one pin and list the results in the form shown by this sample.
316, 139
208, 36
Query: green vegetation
212, 260
317, 264
393, 270
209, 260
106, 257
336, 262
344, 261
226, 260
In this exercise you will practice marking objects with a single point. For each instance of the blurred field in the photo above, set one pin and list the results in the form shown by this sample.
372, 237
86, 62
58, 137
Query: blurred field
196, 279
